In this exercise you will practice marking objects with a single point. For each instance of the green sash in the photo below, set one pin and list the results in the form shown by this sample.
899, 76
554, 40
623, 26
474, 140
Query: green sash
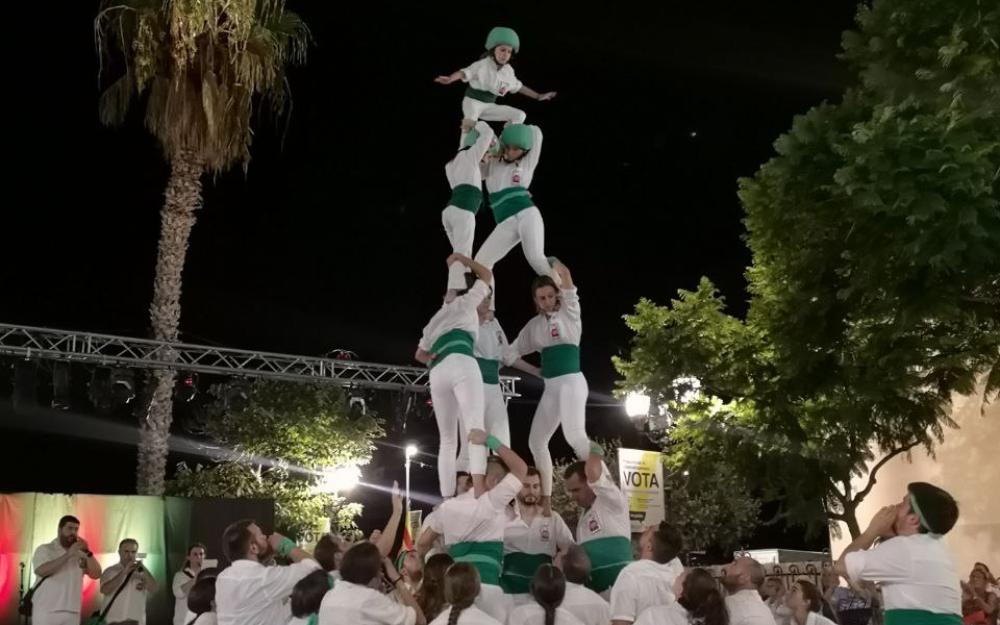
467, 197
482, 96
490, 370
485, 556
920, 617
452, 342
518, 571
510, 201
608, 556
560, 360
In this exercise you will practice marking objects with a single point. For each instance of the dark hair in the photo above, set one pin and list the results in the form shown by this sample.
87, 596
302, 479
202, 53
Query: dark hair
326, 552
576, 564
939, 509
236, 540
308, 593
540, 282
548, 587
461, 587
702, 598
497, 468
209, 573
430, 597
128, 540
811, 594
68, 519
201, 596
667, 543
187, 554
361, 564
532, 472
578, 468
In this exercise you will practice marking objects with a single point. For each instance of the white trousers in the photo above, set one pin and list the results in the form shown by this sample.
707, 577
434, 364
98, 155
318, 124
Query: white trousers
496, 422
55, 618
527, 228
493, 601
476, 110
457, 395
563, 402
460, 227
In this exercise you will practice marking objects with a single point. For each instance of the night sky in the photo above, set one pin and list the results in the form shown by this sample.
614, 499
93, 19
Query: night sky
333, 237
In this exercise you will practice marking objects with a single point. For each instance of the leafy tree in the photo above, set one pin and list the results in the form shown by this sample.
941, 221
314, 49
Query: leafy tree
197, 68
875, 284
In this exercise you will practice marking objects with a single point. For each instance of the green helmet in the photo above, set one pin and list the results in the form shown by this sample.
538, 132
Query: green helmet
470, 138
518, 136
502, 35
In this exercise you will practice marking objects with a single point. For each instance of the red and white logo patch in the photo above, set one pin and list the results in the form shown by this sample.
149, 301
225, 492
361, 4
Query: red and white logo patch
554, 331
594, 525
545, 533
516, 178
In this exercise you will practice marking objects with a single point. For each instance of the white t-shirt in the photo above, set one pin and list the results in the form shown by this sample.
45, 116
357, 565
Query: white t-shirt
354, 604
180, 595
747, 608
486, 75
641, 585
586, 605
466, 166
564, 327
499, 174
62, 591
491, 341
469, 616
131, 602
534, 614
670, 614
468, 519
545, 535
608, 516
915, 572
249, 593
458, 314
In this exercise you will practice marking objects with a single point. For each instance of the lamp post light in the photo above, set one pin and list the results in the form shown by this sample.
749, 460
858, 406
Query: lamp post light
637, 404
411, 451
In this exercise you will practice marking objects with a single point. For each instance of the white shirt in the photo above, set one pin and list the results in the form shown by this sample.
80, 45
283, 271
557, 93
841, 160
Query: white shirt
486, 75
468, 519
815, 618
564, 326
608, 516
354, 604
131, 602
458, 314
534, 614
499, 174
586, 605
915, 572
545, 535
672, 614
206, 618
491, 341
747, 608
249, 593
60, 592
466, 166
180, 596
641, 585
469, 616
781, 612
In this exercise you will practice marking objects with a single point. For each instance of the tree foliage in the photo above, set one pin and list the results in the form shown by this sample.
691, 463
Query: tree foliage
875, 283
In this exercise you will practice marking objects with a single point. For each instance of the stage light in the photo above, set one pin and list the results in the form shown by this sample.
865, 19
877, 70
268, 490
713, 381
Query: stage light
636, 404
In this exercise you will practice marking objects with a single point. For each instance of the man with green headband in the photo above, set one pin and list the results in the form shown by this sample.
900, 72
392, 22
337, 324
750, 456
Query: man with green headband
911, 563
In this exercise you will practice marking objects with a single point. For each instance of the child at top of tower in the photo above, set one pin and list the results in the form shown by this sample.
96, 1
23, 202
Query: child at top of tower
491, 77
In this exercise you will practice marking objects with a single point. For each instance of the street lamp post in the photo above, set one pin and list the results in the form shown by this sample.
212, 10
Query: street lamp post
411, 451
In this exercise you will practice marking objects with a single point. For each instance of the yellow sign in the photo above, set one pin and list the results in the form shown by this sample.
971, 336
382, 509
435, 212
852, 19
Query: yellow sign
640, 474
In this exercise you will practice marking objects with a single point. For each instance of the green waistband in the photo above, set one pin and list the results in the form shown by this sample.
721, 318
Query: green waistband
608, 556
482, 96
920, 617
485, 556
452, 342
560, 360
490, 370
510, 201
467, 197
519, 569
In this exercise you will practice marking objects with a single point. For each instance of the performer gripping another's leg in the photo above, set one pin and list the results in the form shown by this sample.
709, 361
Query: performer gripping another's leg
465, 178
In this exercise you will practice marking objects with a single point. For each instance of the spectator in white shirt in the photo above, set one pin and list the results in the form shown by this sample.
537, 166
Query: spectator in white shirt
354, 600
307, 596
548, 589
326, 554
588, 606
773, 592
461, 588
699, 601
185, 578
126, 586
806, 601
742, 579
201, 603
62, 563
249, 593
430, 597
648, 581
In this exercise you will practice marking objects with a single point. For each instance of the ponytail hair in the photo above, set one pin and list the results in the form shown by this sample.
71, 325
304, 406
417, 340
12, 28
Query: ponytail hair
430, 597
461, 587
548, 587
703, 600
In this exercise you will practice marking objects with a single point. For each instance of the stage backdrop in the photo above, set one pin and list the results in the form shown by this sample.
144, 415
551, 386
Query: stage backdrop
163, 526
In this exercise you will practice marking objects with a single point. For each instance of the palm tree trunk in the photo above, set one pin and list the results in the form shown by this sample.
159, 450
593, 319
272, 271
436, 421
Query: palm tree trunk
177, 217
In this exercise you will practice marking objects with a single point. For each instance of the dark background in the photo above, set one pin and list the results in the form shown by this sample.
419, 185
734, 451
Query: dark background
332, 239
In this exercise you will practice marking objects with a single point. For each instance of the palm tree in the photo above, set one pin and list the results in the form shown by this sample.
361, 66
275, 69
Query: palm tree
197, 68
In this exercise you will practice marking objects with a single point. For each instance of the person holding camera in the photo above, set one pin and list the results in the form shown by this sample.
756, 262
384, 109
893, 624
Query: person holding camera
126, 586
60, 566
